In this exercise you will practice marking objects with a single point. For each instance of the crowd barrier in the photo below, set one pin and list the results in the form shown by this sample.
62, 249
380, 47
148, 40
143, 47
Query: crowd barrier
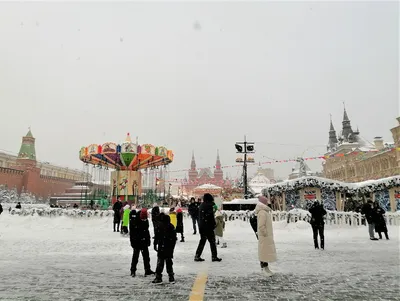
331, 218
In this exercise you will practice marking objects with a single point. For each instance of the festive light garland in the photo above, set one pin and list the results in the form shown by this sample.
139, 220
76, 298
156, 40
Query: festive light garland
291, 160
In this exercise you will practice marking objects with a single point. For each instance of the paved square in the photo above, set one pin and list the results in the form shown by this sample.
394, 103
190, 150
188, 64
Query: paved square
64, 258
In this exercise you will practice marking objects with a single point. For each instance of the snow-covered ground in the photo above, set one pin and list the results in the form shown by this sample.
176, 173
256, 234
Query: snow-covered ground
64, 258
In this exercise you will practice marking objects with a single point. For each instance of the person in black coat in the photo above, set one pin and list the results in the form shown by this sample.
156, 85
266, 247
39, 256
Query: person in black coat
368, 211
117, 214
1, 209
179, 223
140, 240
206, 228
164, 245
155, 212
317, 223
18, 206
194, 213
380, 222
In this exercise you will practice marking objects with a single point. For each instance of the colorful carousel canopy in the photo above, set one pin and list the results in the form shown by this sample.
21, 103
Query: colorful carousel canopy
126, 156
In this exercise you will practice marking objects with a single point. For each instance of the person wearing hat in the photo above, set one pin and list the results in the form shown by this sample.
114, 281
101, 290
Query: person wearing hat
266, 244
206, 228
140, 241
172, 215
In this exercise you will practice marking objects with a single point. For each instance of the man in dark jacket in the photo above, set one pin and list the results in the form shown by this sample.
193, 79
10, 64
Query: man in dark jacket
206, 228
317, 223
140, 240
194, 213
155, 212
368, 211
164, 245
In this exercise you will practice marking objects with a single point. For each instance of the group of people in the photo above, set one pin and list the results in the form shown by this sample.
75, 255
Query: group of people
374, 215
135, 222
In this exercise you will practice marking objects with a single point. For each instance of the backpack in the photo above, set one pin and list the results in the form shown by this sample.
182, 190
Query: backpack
253, 223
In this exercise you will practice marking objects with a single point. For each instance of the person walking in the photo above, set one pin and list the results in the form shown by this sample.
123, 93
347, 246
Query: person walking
194, 213
140, 241
380, 222
206, 228
266, 244
117, 214
368, 211
164, 245
317, 223
179, 223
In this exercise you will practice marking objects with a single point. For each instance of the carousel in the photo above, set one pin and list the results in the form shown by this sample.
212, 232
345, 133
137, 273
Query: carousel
126, 160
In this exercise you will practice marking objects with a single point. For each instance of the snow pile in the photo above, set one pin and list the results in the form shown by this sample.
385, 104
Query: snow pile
12, 196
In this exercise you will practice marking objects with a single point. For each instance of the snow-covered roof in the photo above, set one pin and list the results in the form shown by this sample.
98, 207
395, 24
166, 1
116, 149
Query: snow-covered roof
259, 182
208, 186
366, 186
242, 201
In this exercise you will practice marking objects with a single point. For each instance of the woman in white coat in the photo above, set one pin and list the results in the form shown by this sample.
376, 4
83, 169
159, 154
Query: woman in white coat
266, 244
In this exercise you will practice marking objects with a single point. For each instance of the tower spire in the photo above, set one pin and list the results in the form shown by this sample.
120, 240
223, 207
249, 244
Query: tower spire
332, 142
27, 150
218, 163
347, 131
193, 163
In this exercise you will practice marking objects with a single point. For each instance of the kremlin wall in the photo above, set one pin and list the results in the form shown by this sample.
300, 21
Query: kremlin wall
26, 174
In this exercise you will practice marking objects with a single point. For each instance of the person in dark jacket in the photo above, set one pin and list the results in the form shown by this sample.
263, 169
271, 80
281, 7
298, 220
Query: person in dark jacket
1, 209
18, 206
194, 213
368, 211
155, 212
117, 214
179, 223
164, 245
140, 240
317, 223
206, 228
380, 222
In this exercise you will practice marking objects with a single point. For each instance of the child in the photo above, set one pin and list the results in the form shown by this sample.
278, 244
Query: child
125, 220
220, 228
179, 223
140, 241
172, 215
164, 244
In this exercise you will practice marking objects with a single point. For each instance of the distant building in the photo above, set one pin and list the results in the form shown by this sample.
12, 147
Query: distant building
259, 181
42, 179
204, 176
353, 159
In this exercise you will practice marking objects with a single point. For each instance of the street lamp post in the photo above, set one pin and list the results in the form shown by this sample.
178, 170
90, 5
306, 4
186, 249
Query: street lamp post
245, 148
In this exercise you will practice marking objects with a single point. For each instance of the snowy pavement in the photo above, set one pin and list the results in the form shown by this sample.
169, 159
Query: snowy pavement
65, 258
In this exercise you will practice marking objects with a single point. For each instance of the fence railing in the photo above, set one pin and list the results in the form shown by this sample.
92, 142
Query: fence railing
353, 219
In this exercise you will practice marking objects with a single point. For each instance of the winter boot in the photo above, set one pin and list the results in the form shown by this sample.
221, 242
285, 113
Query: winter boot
216, 259
322, 244
171, 279
316, 244
198, 259
387, 235
224, 245
157, 280
267, 271
380, 235
133, 274
373, 238
148, 273
182, 238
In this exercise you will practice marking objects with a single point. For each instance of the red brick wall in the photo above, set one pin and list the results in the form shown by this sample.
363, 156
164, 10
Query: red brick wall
48, 186
11, 177
31, 181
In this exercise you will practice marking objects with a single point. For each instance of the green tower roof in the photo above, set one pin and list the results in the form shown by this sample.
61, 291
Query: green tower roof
27, 150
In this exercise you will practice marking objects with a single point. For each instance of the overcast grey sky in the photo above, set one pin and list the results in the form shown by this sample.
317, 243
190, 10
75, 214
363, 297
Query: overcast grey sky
196, 76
